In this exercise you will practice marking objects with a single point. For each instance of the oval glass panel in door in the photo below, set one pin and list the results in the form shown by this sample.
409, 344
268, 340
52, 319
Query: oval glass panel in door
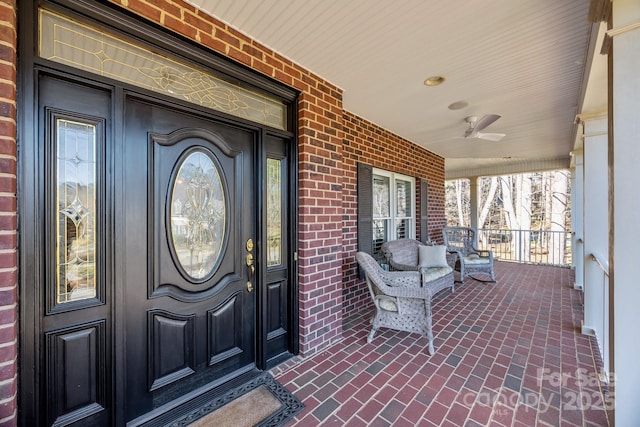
198, 215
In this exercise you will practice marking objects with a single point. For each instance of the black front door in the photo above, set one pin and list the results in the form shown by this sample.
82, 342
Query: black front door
157, 236
187, 255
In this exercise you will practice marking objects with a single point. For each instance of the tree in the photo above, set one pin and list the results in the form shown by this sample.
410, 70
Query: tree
527, 204
487, 199
518, 214
460, 204
457, 202
559, 197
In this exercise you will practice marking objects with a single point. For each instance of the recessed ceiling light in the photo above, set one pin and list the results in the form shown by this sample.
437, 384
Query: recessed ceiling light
458, 105
434, 81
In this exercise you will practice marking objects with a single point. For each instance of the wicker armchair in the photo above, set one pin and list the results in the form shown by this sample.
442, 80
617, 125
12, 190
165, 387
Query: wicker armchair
401, 303
402, 255
470, 259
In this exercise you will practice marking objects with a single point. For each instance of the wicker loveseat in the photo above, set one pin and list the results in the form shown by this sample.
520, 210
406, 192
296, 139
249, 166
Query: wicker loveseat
400, 300
403, 255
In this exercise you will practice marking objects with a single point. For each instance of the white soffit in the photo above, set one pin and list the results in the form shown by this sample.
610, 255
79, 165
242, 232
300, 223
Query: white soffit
522, 59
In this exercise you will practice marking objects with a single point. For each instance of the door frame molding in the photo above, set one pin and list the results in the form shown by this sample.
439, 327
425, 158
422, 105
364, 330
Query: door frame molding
30, 207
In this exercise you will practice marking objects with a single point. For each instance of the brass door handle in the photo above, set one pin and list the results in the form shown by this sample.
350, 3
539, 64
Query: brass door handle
252, 269
250, 265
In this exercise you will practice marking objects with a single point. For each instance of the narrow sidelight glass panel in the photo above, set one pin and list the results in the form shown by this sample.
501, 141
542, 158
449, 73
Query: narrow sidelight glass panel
198, 215
76, 203
274, 212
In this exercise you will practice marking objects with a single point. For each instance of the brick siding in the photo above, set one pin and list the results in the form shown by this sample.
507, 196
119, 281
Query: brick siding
368, 143
8, 217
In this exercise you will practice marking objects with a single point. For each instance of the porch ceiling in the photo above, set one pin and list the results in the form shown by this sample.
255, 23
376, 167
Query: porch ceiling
526, 61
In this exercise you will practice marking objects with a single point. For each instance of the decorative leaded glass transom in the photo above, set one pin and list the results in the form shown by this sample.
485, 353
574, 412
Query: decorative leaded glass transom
81, 46
198, 215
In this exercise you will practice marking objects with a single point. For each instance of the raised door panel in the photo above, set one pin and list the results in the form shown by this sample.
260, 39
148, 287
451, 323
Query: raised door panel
76, 373
225, 330
276, 316
171, 348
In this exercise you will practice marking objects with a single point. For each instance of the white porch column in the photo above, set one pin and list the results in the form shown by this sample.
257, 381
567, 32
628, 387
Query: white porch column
596, 226
625, 210
577, 216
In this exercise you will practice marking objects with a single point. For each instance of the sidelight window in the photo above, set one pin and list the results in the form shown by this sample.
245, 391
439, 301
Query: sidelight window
274, 212
76, 210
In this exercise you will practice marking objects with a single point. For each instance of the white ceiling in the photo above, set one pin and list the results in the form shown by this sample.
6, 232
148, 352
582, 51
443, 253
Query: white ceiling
525, 60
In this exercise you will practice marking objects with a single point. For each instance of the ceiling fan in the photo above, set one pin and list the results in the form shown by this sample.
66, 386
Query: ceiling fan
475, 126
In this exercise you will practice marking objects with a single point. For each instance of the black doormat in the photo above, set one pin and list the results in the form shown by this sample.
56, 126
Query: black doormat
247, 396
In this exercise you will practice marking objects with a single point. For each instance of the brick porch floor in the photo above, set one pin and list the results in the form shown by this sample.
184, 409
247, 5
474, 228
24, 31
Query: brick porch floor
507, 354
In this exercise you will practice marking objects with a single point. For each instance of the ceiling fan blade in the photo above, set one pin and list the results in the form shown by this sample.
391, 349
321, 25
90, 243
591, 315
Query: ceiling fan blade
485, 121
490, 136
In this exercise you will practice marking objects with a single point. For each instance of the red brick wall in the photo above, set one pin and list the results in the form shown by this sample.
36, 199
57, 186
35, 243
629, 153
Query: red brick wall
8, 216
367, 143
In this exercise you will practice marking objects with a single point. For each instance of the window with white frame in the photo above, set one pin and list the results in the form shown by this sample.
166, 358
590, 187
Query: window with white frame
393, 207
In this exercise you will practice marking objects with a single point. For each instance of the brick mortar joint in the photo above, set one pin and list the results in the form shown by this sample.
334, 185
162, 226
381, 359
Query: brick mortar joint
9, 326
8, 307
9, 363
12, 343
10, 417
9, 399
11, 82
11, 64
10, 24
